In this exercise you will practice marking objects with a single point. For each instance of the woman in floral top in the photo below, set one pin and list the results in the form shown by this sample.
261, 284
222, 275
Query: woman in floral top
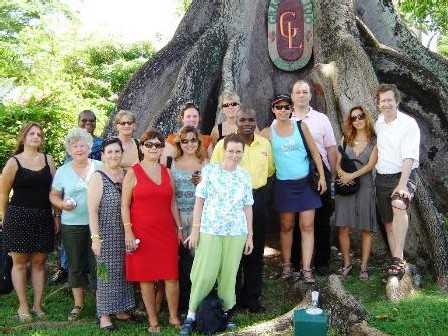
222, 228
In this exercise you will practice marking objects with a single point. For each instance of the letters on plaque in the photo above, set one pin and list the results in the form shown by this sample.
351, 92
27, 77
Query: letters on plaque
290, 33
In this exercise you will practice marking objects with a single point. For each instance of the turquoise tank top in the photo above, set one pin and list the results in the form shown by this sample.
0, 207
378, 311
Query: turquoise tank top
185, 190
290, 156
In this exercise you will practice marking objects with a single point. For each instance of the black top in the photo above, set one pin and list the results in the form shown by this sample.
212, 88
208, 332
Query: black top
32, 188
220, 136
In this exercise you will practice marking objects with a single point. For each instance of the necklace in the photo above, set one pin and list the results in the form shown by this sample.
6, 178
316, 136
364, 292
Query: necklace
31, 159
127, 144
115, 177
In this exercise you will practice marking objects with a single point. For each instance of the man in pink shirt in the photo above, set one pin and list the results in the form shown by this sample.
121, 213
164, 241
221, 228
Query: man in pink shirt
322, 132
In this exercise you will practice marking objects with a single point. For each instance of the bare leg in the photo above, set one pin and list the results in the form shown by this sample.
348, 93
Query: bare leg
38, 278
366, 244
149, 299
105, 321
390, 236
307, 232
18, 275
78, 296
286, 227
400, 225
344, 244
172, 296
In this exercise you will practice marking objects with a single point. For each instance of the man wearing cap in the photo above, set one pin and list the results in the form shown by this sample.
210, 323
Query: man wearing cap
322, 132
398, 141
257, 160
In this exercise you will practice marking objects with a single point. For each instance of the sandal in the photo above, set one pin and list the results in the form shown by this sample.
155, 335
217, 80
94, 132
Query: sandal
23, 317
40, 314
287, 269
397, 268
154, 329
75, 313
363, 274
344, 271
309, 280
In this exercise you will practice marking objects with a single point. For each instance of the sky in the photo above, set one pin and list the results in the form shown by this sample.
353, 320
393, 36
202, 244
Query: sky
129, 20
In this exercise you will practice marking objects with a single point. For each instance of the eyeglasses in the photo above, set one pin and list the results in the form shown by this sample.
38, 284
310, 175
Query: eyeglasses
230, 104
251, 120
186, 141
149, 144
234, 152
357, 117
87, 120
122, 123
281, 107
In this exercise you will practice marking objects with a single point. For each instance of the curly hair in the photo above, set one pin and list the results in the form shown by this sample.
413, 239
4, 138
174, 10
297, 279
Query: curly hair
77, 134
180, 135
350, 131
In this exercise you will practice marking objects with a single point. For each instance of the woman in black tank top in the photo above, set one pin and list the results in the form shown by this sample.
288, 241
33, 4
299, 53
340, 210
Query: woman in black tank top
229, 103
29, 226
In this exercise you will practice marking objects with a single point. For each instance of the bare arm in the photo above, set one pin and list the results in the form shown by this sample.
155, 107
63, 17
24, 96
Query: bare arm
322, 185
7, 179
402, 188
346, 178
94, 195
214, 135
175, 209
56, 210
210, 149
332, 154
249, 246
266, 132
126, 199
193, 238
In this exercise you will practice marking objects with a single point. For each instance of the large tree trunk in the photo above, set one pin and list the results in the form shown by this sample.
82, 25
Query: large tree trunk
222, 44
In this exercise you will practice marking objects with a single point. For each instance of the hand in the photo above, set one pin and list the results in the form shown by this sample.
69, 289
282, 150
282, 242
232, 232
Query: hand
129, 240
180, 235
96, 247
249, 246
322, 185
67, 205
196, 177
193, 239
403, 191
346, 179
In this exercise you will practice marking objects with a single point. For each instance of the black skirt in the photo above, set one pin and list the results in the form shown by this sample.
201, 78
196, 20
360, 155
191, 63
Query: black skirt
28, 230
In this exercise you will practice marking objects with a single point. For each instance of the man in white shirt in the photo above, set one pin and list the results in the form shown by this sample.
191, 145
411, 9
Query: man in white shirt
398, 141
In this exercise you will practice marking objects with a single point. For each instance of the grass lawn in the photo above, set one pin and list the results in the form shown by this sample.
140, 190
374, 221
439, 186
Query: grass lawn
425, 312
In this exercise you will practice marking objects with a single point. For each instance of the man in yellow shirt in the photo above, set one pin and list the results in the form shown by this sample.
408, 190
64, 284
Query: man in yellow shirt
258, 161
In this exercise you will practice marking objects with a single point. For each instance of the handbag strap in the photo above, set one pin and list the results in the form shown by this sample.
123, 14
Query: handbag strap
299, 126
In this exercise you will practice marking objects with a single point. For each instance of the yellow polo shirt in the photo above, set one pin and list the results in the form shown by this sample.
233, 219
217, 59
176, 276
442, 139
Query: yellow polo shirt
257, 160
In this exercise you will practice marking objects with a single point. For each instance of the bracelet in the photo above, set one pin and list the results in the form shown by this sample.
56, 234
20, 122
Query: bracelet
97, 237
57, 215
196, 225
180, 228
250, 233
127, 224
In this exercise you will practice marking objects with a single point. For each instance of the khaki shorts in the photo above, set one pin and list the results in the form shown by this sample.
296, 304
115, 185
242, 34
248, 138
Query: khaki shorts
385, 184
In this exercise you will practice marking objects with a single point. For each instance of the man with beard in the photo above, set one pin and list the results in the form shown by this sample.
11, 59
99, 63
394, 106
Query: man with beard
258, 161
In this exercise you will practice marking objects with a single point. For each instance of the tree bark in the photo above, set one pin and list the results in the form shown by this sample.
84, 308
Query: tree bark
222, 44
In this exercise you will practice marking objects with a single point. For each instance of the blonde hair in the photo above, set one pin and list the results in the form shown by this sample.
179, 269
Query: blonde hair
229, 95
78, 134
124, 113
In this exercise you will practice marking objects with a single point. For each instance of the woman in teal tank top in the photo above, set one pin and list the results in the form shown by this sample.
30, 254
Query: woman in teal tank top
293, 194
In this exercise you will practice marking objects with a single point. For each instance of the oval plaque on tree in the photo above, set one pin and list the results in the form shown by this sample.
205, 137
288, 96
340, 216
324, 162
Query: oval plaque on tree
290, 33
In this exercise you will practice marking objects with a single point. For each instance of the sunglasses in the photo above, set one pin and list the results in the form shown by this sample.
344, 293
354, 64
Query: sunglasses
186, 141
281, 107
357, 117
88, 120
149, 144
122, 123
230, 104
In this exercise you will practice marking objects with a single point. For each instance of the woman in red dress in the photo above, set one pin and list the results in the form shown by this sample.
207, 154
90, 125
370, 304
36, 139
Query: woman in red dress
151, 221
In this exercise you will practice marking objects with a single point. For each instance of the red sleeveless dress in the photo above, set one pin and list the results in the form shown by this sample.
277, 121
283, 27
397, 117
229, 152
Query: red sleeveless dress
156, 257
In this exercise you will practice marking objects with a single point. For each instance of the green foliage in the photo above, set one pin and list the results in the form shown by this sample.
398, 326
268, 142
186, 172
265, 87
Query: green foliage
428, 15
48, 73
442, 47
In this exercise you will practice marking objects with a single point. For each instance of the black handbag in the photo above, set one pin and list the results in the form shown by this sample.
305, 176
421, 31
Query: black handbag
348, 165
5, 269
313, 176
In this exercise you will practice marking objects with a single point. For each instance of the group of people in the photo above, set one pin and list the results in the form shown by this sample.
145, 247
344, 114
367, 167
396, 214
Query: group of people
181, 215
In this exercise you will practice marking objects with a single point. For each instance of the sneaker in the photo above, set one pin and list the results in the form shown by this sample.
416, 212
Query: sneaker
187, 328
59, 277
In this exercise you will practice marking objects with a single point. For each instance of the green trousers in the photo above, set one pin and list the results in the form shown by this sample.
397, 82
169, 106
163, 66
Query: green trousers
217, 259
